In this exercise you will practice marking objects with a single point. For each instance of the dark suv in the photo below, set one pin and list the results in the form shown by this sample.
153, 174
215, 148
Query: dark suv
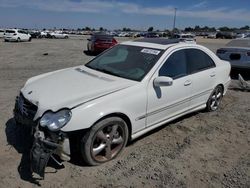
100, 42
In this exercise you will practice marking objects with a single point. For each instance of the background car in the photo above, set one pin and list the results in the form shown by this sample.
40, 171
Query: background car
16, 35
211, 36
226, 35
100, 42
185, 37
2, 33
237, 52
241, 35
57, 35
151, 35
34, 34
43, 34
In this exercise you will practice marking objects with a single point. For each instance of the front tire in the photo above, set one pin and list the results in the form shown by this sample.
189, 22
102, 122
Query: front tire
215, 99
104, 141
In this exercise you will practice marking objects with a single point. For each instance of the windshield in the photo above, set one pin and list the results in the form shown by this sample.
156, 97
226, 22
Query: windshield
240, 43
131, 62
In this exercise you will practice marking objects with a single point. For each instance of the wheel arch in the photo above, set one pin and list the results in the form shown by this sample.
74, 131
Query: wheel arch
222, 87
120, 115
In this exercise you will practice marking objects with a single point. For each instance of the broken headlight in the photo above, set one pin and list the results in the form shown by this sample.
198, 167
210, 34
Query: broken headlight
55, 120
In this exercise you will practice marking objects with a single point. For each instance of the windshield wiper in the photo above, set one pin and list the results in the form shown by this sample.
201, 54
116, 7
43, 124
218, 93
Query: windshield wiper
105, 71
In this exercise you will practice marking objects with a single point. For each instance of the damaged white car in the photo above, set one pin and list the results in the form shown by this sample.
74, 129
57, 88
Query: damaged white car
120, 95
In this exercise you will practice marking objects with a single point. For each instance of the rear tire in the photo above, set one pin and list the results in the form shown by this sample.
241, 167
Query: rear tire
215, 99
104, 141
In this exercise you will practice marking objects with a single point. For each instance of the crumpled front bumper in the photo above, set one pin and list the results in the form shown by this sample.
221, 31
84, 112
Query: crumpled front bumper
45, 143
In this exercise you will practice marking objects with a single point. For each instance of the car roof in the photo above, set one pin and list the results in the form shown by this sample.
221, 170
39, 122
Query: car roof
158, 43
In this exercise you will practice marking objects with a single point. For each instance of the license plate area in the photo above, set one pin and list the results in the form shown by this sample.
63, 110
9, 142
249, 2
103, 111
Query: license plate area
235, 56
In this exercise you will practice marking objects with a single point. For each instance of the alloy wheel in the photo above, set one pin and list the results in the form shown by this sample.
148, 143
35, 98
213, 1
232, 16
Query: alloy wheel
107, 142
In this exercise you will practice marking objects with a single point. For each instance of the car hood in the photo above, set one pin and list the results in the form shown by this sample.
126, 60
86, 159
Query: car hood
70, 87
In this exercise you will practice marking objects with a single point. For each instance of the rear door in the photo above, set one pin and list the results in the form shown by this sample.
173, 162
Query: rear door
202, 72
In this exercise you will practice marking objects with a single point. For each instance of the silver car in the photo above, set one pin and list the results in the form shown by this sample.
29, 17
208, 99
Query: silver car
237, 52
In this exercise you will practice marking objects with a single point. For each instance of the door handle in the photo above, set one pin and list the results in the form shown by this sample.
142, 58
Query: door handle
212, 74
187, 83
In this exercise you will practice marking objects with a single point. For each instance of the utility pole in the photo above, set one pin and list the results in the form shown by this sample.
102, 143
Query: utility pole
175, 10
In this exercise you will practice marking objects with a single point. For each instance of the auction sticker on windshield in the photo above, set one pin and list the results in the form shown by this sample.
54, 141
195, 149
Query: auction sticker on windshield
150, 51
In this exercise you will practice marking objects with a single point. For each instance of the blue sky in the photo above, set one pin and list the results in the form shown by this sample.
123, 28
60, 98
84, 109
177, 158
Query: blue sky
115, 14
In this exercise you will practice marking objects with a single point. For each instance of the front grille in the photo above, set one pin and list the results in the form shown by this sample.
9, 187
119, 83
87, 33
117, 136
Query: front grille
25, 108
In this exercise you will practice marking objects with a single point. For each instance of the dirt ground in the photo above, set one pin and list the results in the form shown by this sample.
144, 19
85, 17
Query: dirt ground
198, 150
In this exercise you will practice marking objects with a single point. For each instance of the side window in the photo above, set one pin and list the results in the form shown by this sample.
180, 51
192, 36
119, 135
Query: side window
198, 60
175, 66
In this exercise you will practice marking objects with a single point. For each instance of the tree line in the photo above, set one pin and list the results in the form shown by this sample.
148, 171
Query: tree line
197, 28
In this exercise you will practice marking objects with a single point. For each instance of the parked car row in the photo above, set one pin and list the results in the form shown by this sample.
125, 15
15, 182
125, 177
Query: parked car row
185, 37
49, 34
226, 35
19, 35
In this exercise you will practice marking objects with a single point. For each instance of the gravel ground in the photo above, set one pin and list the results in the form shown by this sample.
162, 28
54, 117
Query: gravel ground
198, 150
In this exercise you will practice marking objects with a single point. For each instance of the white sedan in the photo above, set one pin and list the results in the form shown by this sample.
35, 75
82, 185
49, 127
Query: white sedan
59, 35
120, 95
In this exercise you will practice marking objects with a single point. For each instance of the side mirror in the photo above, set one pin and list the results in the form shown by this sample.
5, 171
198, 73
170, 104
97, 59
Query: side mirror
163, 81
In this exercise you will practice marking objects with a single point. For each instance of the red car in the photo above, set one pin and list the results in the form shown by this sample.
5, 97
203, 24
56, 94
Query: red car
100, 42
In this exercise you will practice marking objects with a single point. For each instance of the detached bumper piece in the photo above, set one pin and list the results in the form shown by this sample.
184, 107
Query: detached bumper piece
244, 84
43, 148
40, 155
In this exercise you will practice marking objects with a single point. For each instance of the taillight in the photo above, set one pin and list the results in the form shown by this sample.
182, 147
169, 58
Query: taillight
248, 53
114, 41
97, 41
221, 51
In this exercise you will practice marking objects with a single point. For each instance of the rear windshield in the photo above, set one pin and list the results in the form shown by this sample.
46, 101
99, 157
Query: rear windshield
10, 31
240, 43
187, 36
103, 37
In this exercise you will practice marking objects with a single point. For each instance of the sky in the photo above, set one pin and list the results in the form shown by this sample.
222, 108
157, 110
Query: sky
116, 14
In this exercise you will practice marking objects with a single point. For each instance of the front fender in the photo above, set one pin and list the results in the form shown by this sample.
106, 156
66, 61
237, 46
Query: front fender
133, 106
